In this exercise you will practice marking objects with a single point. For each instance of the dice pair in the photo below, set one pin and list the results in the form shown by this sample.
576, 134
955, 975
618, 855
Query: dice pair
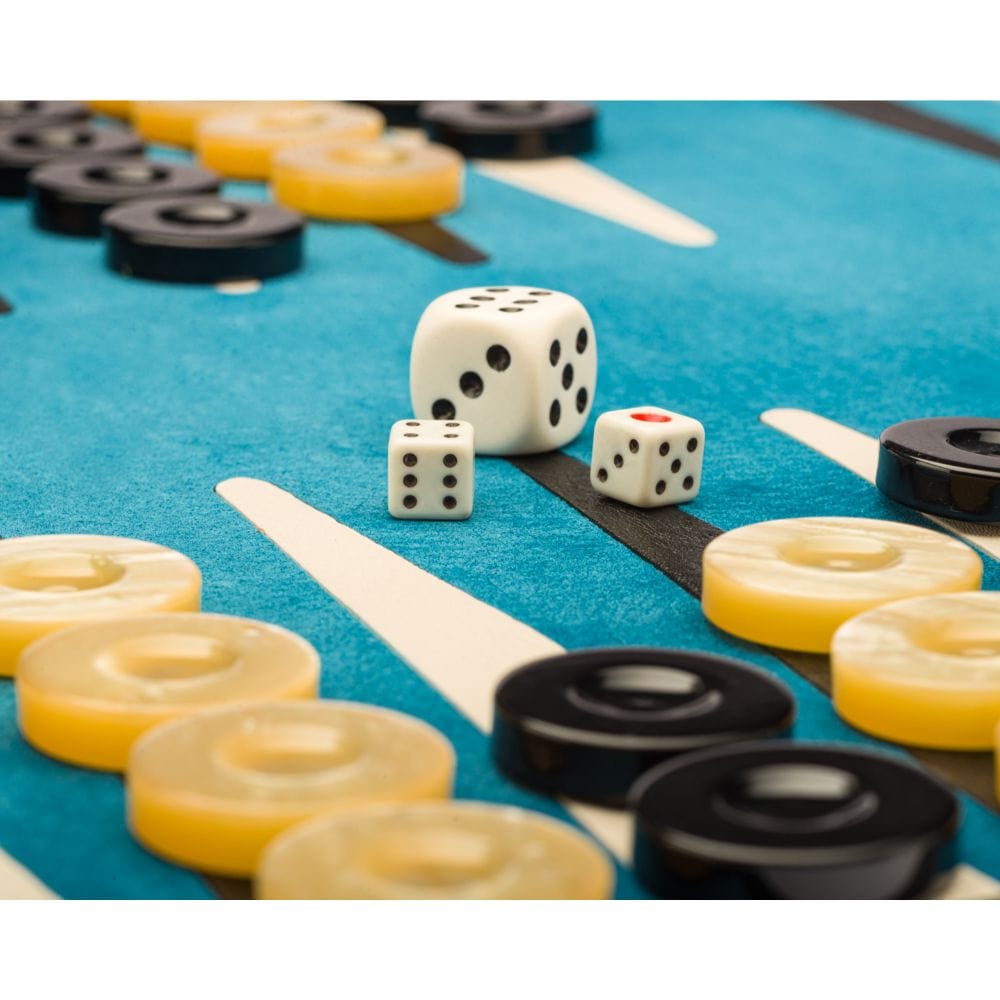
644, 456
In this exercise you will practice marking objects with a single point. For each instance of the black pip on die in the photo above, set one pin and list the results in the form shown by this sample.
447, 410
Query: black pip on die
520, 364
647, 457
431, 467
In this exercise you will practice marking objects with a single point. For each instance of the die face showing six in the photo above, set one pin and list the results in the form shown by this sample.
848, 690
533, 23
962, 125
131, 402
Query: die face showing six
647, 456
431, 469
519, 363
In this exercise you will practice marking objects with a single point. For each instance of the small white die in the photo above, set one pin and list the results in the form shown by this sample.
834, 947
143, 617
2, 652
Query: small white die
431, 470
647, 457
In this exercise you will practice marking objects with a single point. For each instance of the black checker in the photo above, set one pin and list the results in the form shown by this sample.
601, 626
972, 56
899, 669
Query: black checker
402, 114
949, 466
200, 240
587, 724
71, 197
28, 114
791, 820
511, 130
22, 149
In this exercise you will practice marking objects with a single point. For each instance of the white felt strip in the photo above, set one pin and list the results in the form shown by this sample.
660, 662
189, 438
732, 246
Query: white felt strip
16, 882
243, 287
858, 453
579, 185
964, 882
460, 645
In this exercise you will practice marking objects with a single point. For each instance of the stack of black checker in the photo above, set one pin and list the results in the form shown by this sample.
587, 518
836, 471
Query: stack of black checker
160, 219
165, 220
685, 741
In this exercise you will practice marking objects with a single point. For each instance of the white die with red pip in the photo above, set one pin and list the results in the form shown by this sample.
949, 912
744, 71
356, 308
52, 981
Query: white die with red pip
647, 457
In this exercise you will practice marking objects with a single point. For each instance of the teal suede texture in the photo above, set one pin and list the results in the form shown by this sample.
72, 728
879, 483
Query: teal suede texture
855, 274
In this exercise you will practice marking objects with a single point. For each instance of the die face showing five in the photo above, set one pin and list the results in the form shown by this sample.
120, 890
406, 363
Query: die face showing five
519, 363
431, 469
647, 456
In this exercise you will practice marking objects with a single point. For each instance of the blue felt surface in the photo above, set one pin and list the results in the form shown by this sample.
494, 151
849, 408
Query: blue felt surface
981, 116
855, 274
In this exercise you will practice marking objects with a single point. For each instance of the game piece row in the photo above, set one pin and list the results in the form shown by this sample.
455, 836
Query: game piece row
242, 140
487, 129
215, 722
914, 645
586, 725
675, 737
217, 770
160, 220
326, 159
83, 180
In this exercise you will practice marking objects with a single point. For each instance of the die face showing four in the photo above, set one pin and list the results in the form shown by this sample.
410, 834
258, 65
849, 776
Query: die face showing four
518, 363
431, 469
647, 456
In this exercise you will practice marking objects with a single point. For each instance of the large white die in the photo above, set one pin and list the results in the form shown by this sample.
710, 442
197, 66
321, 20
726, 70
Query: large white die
519, 363
431, 469
647, 457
